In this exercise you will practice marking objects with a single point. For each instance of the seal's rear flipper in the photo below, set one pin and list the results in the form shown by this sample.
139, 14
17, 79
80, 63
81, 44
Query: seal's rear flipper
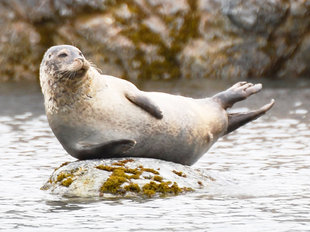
236, 120
237, 92
85, 150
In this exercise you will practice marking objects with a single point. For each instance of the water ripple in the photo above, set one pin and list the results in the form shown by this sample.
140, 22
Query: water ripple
262, 174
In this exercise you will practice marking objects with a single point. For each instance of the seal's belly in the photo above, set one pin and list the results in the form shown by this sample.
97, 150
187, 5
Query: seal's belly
187, 130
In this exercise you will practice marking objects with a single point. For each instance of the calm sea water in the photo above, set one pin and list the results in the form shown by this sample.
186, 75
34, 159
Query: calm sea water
262, 171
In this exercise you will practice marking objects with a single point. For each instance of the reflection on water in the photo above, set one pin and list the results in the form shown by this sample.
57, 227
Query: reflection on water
262, 172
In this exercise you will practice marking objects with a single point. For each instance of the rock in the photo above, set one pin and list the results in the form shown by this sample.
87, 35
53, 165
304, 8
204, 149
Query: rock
299, 62
148, 39
138, 177
19, 47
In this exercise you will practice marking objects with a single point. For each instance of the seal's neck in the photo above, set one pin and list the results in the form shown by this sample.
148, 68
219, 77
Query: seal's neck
61, 95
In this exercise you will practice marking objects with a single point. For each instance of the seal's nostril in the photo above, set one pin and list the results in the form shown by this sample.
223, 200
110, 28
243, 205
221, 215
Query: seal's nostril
80, 59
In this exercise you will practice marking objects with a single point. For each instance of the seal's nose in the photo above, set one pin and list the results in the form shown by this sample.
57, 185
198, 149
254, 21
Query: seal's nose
80, 59
83, 62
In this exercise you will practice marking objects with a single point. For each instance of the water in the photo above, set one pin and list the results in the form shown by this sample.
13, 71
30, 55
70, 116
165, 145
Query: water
262, 171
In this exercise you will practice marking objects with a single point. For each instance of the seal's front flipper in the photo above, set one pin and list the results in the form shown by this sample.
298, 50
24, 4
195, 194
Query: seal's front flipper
86, 150
237, 92
146, 104
237, 120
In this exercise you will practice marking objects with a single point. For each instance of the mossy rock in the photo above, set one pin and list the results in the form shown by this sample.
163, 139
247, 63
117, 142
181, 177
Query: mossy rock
138, 177
156, 39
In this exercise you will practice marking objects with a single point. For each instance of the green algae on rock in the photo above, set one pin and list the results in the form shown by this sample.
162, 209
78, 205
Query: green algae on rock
112, 178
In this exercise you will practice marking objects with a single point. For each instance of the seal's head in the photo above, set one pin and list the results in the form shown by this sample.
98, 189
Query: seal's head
63, 62
63, 71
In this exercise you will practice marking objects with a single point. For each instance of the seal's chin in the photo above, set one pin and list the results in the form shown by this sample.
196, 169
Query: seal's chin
80, 73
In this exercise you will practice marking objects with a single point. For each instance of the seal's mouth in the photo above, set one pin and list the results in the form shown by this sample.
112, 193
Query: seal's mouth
68, 74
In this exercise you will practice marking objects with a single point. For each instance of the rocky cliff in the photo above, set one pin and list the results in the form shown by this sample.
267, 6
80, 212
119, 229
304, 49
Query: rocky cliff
161, 39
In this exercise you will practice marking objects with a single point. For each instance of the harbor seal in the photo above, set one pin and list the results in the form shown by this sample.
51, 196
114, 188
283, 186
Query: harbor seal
98, 116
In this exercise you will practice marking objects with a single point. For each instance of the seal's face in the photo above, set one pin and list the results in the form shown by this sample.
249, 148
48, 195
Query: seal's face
64, 62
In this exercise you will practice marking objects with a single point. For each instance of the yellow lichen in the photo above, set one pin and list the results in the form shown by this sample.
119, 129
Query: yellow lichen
150, 189
63, 175
122, 162
67, 182
158, 178
179, 173
133, 171
105, 168
135, 176
151, 170
121, 174
133, 188
114, 182
163, 188
63, 164
187, 189
64, 178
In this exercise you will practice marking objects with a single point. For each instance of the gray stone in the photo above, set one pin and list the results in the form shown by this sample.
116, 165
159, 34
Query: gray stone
138, 177
255, 16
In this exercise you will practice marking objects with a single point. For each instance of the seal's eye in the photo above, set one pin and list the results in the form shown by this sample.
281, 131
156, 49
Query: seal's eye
80, 53
63, 54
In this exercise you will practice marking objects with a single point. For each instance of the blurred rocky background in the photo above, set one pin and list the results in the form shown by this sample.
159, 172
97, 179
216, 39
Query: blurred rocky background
161, 39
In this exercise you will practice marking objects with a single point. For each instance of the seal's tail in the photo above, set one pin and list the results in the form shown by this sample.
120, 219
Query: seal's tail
236, 120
